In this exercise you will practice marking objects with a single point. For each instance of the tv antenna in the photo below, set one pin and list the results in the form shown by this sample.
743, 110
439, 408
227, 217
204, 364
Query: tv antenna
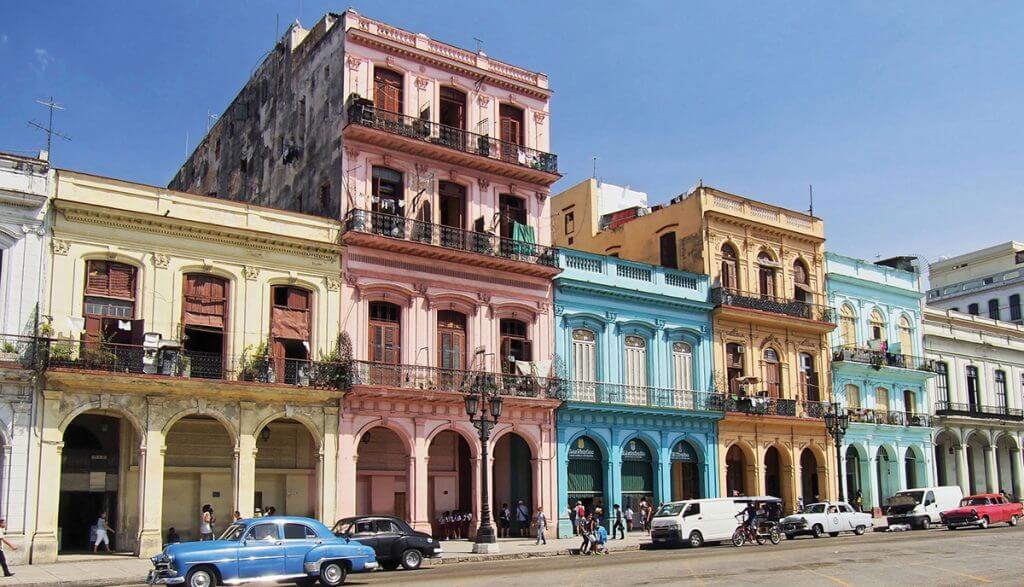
479, 45
810, 194
210, 119
48, 129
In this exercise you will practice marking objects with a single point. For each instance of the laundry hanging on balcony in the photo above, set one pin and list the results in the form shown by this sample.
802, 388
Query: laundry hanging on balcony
524, 237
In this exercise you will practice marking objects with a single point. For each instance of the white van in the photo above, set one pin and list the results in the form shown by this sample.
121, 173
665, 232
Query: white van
696, 521
920, 508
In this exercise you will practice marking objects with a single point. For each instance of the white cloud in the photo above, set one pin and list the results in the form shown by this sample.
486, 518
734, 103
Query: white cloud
3, 39
43, 59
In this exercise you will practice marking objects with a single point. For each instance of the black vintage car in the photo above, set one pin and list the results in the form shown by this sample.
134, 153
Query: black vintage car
394, 542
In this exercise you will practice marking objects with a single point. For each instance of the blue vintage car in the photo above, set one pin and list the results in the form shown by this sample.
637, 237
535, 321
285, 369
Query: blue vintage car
277, 548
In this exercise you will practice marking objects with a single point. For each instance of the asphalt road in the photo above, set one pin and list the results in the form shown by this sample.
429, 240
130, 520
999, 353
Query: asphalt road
935, 557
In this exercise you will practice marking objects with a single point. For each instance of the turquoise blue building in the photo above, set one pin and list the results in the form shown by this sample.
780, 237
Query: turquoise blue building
879, 376
639, 422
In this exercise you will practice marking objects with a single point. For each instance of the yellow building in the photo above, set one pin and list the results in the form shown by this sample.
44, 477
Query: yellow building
187, 364
766, 266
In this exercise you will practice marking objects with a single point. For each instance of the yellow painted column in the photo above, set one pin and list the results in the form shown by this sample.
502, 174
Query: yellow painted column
44, 541
328, 472
151, 494
245, 463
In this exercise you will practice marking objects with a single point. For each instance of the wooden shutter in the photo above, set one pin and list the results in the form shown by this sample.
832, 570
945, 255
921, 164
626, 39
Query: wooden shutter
387, 90
93, 329
97, 280
122, 280
292, 320
205, 301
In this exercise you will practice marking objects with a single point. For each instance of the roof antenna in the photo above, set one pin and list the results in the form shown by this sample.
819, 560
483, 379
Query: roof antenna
594, 176
210, 118
479, 45
48, 129
810, 188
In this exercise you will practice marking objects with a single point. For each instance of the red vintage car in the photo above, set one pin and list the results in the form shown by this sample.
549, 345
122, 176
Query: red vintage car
981, 511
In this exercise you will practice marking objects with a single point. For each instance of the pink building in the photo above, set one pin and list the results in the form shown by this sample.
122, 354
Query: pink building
447, 270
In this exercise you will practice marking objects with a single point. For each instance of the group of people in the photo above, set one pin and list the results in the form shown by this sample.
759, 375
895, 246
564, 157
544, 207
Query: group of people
590, 525
454, 525
522, 517
208, 521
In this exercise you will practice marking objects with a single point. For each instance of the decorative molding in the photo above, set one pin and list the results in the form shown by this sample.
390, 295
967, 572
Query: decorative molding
354, 62
539, 117
61, 247
559, 309
485, 298
333, 284
541, 197
250, 272
421, 169
421, 289
483, 182
483, 99
611, 316
161, 260
352, 153
422, 83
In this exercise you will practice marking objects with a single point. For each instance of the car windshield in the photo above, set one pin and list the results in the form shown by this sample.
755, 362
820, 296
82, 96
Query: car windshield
970, 501
233, 533
815, 508
670, 509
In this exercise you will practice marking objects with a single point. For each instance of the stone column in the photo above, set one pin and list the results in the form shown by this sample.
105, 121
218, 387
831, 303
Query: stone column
1017, 472
613, 485
328, 469
563, 523
151, 493
245, 475
44, 541
961, 469
901, 469
873, 499
418, 485
345, 491
474, 466
991, 470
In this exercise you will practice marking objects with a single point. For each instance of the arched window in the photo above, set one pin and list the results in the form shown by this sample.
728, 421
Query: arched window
636, 362
584, 355
734, 366
877, 324
906, 334
766, 275
852, 396
801, 282
847, 327
730, 268
772, 372
682, 365
881, 399
388, 93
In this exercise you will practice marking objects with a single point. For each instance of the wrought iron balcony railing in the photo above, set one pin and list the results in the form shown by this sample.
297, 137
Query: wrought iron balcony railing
17, 352
879, 359
455, 380
449, 237
769, 303
771, 406
73, 355
364, 113
632, 395
868, 416
945, 408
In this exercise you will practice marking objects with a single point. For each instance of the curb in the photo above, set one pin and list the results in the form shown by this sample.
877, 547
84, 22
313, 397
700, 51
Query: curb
481, 558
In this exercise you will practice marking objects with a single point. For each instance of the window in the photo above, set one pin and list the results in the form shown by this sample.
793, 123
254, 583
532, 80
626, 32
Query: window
847, 327
110, 303
452, 207
451, 340
909, 401
730, 268
385, 333
993, 309
298, 532
513, 211
877, 323
881, 399
453, 108
973, 388
204, 317
1015, 314
584, 355
1018, 257
801, 282
766, 275
906, 334
1000, 379
972, 309
682, 365
734, 366
772, 372
511, 124
290, 331
387, 90
636, 361
809, 388
264, 532
852, 396
692, 510
388, 193
942, 382
515, 344
387, 527
570, 223
668, 250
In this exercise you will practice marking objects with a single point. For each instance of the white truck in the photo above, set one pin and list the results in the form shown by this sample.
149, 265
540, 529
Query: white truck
829, 517
696, 521
920, 508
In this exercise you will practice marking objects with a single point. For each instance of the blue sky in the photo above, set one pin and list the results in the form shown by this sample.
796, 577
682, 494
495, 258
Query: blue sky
906, 117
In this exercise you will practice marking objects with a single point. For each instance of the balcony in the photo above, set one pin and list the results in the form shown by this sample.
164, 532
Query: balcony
866, 416
404, 235
642, 396
772, 406
17, 352
879, 359
448, 144
433, 379
944, 408
721, 296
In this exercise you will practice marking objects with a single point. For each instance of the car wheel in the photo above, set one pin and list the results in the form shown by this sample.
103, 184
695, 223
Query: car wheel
696, 539
1013, 520
951, 527
833, 534
817, 531
859, 530
389, 566
412, 559
983, 522
790, 536
924, 524
333, 574
201, 577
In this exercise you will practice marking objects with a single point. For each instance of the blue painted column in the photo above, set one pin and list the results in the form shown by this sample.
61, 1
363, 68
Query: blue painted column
614, 486
663, 474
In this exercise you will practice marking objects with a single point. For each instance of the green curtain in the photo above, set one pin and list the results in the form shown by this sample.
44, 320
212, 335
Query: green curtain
525, 238
585, 477
637, 477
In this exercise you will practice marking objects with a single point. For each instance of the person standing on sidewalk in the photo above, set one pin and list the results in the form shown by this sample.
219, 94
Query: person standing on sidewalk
618, 523
504, 521
5, 542
206, 521
102, 527
643, 513
629, 518
523, 519
541, 522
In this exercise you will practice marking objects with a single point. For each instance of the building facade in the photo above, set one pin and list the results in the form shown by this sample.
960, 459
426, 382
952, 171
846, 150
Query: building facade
770, 323
880, 378
190, 358
25, 186
640, 417
978, 392
987, 282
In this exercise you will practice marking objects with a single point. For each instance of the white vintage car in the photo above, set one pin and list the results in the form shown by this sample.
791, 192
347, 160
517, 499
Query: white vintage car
829, 517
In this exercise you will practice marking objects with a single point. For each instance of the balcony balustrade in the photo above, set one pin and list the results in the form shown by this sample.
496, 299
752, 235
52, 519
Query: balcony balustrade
879, 359
419, 377
362, 112
892, 418
770, 303
449, 237
642, 396
772, 406
17, 352
945, 408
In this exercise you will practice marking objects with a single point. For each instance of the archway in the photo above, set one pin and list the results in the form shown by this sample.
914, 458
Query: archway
586, 473
1005, 453
513, 480
977, 469
856, 473
199, 466
686, 478
287, 469
450, 482
777, 475
738, 477
382, 474
637, 475
915, 473
97, 476
810, 488
888, 476
946, 463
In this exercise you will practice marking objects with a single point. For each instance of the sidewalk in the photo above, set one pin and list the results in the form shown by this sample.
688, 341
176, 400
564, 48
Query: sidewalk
461, 551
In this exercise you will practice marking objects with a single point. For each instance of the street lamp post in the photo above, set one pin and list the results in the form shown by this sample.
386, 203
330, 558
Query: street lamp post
836, 423
483, 399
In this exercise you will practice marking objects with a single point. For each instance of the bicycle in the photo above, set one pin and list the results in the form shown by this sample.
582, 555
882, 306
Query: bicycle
764, 531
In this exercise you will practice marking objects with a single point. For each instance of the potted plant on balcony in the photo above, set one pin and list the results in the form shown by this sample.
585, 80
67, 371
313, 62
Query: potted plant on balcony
257, 364
877, 360
334, 369
9, 353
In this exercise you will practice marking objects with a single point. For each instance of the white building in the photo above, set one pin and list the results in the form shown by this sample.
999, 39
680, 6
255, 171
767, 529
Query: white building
24, 191
978, 392
987, 282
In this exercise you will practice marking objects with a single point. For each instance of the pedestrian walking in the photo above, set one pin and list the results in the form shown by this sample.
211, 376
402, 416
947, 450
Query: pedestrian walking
206, 522
571, 512
643, 513
619, 526
523, 519
504, 521
629, 518
101, 533
4, 542
540, 521
858, 501
581, 517
800, 505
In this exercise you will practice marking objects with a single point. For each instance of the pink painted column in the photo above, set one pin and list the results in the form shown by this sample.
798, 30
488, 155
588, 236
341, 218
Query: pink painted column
418, 482
346, 474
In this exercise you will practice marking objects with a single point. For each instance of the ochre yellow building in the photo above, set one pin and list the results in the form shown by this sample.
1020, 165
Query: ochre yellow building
186, 364
766, 266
